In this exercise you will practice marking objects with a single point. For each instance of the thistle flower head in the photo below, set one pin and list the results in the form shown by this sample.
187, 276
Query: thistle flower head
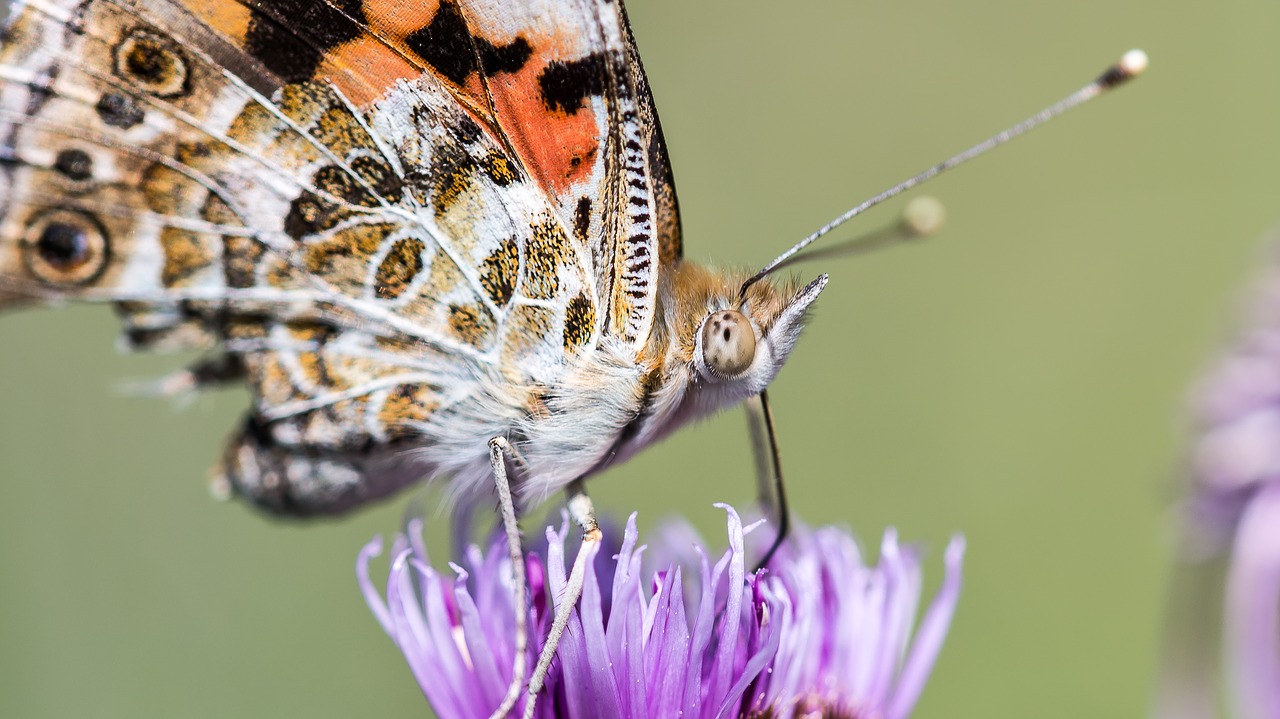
819, 634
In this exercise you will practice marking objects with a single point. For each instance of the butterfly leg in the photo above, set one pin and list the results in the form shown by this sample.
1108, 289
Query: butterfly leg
499, 450
771, 490
583, 514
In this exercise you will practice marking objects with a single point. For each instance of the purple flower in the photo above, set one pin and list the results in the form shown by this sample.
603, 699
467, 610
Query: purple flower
820, 634
1233, 510
1236, 411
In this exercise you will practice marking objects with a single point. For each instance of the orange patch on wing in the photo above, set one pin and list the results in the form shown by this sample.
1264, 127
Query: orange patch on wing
226, 16
397, 18
363, 69
472, 90
558, 149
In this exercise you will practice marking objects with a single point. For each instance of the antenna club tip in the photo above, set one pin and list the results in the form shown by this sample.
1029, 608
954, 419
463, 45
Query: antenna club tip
923, 216
220, 487
1134, 62
1130, 65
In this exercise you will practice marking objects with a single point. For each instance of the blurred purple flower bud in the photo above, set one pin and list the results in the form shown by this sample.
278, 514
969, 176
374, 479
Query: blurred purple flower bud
1231, 516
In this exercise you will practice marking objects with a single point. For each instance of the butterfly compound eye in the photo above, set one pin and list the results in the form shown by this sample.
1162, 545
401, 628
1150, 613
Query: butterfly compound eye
728, 343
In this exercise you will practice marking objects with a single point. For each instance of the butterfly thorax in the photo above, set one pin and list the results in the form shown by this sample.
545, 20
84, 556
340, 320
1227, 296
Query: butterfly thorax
612, 402
666, 386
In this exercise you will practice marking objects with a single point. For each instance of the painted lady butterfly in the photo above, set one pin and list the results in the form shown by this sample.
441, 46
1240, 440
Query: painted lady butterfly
435, 239
410, 228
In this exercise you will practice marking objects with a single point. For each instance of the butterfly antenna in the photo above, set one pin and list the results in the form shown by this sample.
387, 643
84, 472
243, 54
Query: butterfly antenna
1129, 66
922, 217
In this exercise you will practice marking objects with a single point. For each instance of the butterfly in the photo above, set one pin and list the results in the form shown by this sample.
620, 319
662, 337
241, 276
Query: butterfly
436, 240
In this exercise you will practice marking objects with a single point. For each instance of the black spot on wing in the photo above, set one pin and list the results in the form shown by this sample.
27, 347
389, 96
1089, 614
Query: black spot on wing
508, 58
582, 220
579, 323
397, 270
309, 214
566, 85
146, 63
499, 272
313, 212
74, 164
62, 244
448, 46
548, 249
240, 257
65, 247
450, 175
119, 110
290, 37
383, 180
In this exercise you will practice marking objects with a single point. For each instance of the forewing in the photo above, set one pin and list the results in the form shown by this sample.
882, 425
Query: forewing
270, 164
562, 83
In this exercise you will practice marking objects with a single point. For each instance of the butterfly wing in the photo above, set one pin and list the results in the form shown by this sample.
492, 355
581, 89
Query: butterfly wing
375, 208
560, 84
565, 86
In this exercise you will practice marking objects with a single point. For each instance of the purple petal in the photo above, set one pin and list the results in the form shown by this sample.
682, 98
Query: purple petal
623, 632
895, 621
669, 648
754, 664
371, 595
1253, 595
421, 656
491, 678
702, 627
720, 678
929, 638
591, 621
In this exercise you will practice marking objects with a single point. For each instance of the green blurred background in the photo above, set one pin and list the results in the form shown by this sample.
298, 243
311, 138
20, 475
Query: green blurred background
1020, 378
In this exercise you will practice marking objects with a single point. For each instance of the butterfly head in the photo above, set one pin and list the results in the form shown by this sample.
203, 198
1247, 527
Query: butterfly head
739, 340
